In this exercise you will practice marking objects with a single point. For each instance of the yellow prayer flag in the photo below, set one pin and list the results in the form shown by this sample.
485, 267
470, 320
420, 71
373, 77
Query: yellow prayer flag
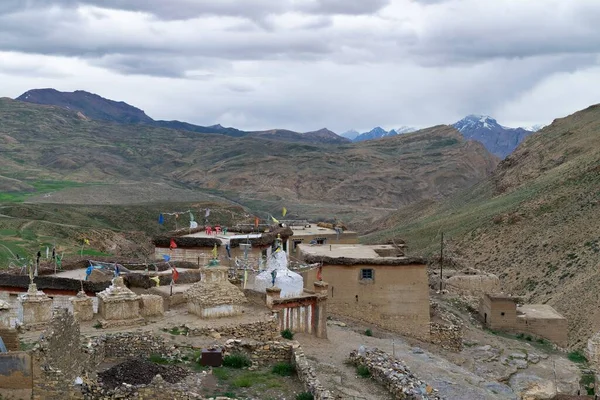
284, 211
274, 220
156, 279
86, 241
215, 251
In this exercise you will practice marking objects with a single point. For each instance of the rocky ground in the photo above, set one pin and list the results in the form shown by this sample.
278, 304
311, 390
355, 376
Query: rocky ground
489, 366
140, 372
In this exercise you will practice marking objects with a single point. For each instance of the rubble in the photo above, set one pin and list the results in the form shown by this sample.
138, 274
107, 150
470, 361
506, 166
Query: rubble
393, 374
138, 371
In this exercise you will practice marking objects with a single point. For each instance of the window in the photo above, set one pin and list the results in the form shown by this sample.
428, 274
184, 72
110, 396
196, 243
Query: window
295, 243
321, 240
366, 274
502, 313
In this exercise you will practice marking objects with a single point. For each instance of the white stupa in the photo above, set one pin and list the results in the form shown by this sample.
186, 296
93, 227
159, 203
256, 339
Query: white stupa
290, 283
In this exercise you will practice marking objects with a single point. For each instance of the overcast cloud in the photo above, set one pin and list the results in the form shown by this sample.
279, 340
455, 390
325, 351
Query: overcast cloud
308, 64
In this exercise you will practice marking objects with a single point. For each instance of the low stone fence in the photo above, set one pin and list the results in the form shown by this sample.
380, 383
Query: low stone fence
132, 344
307, 375
449, 337
393, 374
260, 330
261, 353
266, 353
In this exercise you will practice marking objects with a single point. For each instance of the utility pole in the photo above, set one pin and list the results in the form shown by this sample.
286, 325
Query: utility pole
442, 262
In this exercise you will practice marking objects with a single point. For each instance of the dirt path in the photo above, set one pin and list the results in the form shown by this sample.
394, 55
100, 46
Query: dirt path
453, 382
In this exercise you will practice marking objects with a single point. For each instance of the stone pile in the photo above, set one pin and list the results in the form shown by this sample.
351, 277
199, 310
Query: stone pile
138, 371
447, 336
393, 374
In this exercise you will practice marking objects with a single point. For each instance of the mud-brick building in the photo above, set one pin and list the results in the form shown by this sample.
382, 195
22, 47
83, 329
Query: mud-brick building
374, 284
504, 313
197, 245
319, 233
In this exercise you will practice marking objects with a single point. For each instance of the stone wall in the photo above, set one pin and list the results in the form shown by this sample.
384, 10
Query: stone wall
261, 353
393, 374
10, 337
259, 330
132, 344
307, 375
449, 337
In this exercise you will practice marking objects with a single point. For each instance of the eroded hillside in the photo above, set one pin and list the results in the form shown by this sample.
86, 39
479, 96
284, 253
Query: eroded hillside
534, 222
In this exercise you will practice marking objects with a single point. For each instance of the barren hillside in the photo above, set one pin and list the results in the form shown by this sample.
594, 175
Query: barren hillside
534, 222
50, 143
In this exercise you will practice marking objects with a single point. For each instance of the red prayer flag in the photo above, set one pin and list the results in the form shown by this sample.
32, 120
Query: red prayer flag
256, 222
173, 244
319, 276
175, 275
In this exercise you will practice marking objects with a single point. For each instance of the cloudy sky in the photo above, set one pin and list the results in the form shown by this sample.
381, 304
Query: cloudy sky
308, 64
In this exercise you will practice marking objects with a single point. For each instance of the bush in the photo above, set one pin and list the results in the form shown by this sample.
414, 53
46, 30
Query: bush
577, 357
368, 332
287, 334
363, 371
243, 381
236, 360
283, 369
304, 396
158, 359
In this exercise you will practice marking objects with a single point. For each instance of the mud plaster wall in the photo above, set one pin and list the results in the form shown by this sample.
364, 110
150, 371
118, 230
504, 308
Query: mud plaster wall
396, 299
498, 313
15, 375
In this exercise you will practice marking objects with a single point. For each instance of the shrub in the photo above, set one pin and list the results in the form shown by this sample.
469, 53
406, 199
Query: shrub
363, 371
158, 359
98, 325
236, 360
577, 357
283, 369
243, 381
369, 332
304, 396
287, 334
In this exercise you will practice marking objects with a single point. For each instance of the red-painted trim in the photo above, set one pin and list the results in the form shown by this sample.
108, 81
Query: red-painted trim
55, 292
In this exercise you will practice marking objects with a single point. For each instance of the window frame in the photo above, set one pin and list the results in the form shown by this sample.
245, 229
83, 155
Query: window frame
369, 271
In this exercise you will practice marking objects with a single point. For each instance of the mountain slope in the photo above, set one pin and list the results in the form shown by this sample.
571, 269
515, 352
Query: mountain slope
499, 140
99, 108
321, 136
378, 133
351, 134
533, 222
50, 143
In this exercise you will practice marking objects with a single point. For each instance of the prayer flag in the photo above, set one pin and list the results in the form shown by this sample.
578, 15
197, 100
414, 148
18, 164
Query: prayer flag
215, 251
161, 219
193, 224
175, 275
274, 220
86, 241
166, 257
284, 211
156, 279
245, 277
256, 222
319, 274
207, 213
47, 252
173, 245
191, 217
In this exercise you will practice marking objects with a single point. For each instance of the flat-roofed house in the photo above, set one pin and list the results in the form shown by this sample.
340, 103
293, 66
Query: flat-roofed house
375, 284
